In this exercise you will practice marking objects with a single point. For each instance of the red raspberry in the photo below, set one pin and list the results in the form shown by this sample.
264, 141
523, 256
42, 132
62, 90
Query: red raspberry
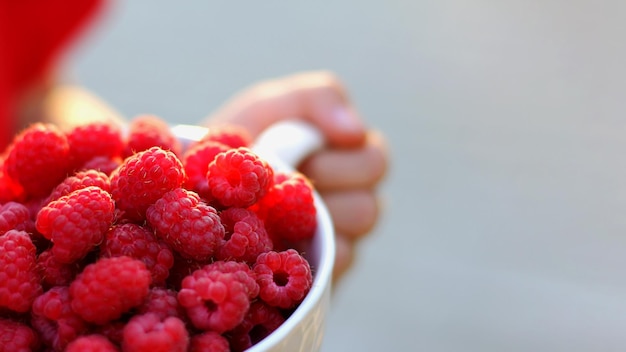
288, 209
80, 180
91, 343
149, 332
108, 288
10, 190
238, 177
53, 318
196, 161
102, 163
163, 303
245, 236
234, 136
38, 159
241, 271
213, 300
95, 139
138, 242
260, 321
147, 131
143, 178
209, 341
17, 337
20, 283
77, 222
14, 216
188, 225
284, 278
55, 273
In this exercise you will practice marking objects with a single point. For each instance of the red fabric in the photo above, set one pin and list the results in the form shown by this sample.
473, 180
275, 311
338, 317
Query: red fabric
33, 34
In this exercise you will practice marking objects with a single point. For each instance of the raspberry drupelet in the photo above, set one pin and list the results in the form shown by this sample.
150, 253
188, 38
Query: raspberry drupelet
238, 177
189, 226
143, 178
20, 282
108, 288
284, 278
76, 223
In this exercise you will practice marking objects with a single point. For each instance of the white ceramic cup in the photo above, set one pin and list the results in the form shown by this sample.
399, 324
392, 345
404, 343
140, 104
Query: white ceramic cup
284, 145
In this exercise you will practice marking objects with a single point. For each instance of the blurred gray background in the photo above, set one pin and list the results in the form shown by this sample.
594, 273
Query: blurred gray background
504, 226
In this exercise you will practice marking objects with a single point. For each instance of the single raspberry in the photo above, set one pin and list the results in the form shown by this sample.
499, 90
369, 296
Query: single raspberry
234, 136
288, 209
163, 303
55, 273
54, 319
260, 321
108, 288
143, 178
14, 216
241, 271
149, 332
188, 225
91, 343
245, 237
20, 283
103, 164
214, 300
196, 161
139, 242
239, 178
209, 341
17, 337
284, 278
76, 223
80, 180
147, 131
94, 139
38, 159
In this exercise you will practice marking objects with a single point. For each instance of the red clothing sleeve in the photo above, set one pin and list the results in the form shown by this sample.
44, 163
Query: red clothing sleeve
33, 34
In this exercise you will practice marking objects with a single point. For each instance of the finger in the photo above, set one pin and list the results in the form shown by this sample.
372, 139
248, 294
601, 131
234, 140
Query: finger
348, 168
344, 256
318, 97
354, 213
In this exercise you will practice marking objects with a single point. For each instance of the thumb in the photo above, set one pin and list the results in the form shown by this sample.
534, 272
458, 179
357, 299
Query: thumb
317, 97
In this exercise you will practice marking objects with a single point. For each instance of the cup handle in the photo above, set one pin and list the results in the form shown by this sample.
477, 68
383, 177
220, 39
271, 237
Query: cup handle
284, 144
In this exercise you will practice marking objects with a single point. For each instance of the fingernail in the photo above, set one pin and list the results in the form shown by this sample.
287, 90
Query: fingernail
346, 120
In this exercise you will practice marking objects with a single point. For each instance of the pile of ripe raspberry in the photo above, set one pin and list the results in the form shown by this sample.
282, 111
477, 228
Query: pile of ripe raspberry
128, 242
